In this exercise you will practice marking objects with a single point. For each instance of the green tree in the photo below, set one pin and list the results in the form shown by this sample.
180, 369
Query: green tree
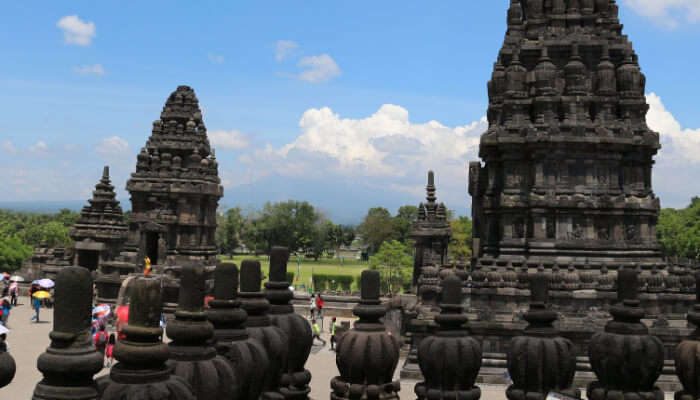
403, 223
53, 233
679, 230
228, 231
394, 263
461, 244
376, 227
291, 223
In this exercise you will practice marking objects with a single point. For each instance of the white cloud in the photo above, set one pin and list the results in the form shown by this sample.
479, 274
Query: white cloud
667, 12
230, 140
677, 142
8, 147
284, 49
113, 147
318, 68
385, 149
215, 58
76, 31
95, 69
38, 148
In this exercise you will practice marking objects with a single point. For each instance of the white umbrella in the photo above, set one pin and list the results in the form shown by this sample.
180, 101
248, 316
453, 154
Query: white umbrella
3, 330
46, 283
16, 278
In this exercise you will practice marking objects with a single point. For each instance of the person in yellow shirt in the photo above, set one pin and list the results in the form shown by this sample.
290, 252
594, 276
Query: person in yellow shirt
333, 340
147, 268
316, 333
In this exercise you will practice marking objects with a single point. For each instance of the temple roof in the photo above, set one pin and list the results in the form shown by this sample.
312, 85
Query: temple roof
103, 216
432, 216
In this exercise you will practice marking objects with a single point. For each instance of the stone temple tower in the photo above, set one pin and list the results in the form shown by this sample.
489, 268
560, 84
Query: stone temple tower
175, 189
566, 161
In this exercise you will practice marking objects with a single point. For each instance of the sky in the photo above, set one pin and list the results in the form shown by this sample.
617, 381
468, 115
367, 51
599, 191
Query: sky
344, 104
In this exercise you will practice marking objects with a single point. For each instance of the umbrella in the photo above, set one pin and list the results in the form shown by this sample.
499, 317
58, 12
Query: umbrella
45, 283
41, 294
16, 278
101, 310
3, 330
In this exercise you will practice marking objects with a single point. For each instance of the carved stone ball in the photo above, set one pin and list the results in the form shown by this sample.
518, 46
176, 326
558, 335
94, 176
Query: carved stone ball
7, 369
540, 365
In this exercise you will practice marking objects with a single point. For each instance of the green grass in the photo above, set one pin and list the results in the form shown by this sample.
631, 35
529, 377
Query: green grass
308, 267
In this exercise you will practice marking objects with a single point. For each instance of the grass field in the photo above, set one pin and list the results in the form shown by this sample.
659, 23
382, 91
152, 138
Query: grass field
307, 267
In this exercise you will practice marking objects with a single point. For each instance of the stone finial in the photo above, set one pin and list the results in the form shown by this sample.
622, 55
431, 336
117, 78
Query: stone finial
625, 358
430, 188
273, 339
247, 356
7, 369
450, 359
192, 356
531, 356
295, 379
688, 354
141, 373
70, 361
367, 355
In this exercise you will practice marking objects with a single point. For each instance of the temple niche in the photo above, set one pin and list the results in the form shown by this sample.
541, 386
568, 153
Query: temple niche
175, 189
566, 162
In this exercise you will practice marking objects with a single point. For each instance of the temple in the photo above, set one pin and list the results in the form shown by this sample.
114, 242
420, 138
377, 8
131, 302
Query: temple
567, 157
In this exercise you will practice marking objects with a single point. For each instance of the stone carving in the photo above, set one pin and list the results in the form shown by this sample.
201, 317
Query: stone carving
192, 355
510, 277
688, 354
295, 379
70, 361
141, 373
540, 361
273, 339
450, 359
367, 355
626, 360
606, 280
8, 368
246, 355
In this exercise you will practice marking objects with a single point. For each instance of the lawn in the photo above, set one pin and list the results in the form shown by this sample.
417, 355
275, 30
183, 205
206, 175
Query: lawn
307, 268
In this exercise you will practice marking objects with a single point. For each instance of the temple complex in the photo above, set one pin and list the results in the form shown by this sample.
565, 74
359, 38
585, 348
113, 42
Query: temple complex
567, 157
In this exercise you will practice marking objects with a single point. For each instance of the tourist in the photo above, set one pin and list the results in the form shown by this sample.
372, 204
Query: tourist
147, 266
319, 306
316, 333
14, 293
312, 307
5, 289
36, 303
100, 340
4, 347
333, 341
109, 351
5, 306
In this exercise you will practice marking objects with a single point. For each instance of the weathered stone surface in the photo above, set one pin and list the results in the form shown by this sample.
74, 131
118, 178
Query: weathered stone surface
273, 339
247, 356
70, 361
295, 379
626, 360
192, 355
367, 354
688, 355
141, 373
450, 359
8, 368
540, 361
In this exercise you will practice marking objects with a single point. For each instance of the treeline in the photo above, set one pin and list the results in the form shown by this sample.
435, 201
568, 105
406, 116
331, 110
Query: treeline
679, 230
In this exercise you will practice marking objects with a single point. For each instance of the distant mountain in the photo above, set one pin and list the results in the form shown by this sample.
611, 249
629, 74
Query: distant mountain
42, 206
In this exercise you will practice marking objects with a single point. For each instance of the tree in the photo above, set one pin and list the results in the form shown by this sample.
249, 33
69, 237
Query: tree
228, 231
461, 244
394, 263
13, 252
53, 233
291, 223
679, 230
376, 227
403, 222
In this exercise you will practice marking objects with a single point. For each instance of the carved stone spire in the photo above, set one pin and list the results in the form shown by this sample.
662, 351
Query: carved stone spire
540, 361
274, 339
430, 189
192, 356
71, 360
688, 354
295, 379
367, 354
450, 359
141, 373
246, 355
625, 358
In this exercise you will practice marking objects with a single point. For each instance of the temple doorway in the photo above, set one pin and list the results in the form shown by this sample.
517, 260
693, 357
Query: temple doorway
152, 247
89, 259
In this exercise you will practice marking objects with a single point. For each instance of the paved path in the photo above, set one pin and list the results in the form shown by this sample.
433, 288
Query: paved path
28, 340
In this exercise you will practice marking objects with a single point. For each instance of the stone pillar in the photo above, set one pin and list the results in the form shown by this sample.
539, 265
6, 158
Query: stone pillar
295, 379
273, 339
70, 361
688, 354
367, 355
247, 356
626, 360
192, 356
450, 359
141, 372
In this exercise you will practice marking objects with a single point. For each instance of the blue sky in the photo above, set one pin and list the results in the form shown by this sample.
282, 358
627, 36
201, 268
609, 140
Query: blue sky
344, 104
